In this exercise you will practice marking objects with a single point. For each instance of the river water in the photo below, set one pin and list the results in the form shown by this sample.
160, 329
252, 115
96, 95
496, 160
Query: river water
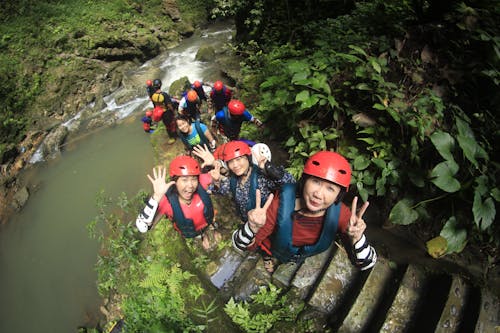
47, 276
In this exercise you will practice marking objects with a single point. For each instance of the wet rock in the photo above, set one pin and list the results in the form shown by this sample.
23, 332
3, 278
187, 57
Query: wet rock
255, 279
334, 284
453, 311
369, 299
53, 141
406, 301
105, 119
205, 53
185, 29
20, 198
283, 274
309, 271
179, 86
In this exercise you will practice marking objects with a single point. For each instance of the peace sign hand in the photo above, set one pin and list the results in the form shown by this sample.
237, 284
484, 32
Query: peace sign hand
357, 225
257, 216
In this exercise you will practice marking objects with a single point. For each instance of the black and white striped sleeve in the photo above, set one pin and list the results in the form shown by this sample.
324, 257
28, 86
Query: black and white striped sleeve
146, 216
365, 255
242, 237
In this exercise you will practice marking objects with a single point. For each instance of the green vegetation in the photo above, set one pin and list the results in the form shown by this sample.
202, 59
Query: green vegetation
52, 51
145, 275
405, 89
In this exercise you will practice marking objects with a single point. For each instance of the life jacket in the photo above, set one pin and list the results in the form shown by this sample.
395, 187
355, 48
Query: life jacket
220, 99
146, 127
157, 113
230, 126
253, 189
203, 138
281, 239
158, 98
184, 225
200, 92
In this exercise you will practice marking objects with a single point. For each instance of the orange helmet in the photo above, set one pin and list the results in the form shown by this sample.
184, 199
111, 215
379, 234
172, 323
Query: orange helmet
236, 107
329, 166
149, 83
218, 85
197, 84
192, 96
184, 166
234, 149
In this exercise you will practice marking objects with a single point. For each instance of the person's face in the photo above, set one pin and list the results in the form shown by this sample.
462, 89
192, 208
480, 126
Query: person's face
183, 126
319, 194
186, 186
239, 165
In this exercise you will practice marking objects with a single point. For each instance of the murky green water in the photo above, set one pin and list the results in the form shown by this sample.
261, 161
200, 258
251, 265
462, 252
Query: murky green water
47, 276
47, 280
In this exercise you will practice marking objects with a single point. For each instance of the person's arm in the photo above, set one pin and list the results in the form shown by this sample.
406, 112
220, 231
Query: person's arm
361, 253
148, 216
244, 237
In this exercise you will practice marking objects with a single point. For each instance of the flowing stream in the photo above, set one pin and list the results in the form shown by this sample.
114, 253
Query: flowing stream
47, 276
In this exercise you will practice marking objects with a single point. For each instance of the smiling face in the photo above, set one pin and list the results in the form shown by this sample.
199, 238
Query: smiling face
319, 194
183, 126
186, 187
239, 165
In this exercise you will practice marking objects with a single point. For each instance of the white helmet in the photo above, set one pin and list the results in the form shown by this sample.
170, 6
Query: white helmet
260, 150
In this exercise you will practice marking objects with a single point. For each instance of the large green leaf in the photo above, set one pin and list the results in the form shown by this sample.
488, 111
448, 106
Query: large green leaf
361, 162
468, 143
402, 213
444, 144
484, 211
455, 236
302, 96
442, 176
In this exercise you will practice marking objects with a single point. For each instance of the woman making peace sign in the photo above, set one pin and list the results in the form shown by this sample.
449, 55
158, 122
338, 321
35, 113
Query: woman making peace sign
304, 218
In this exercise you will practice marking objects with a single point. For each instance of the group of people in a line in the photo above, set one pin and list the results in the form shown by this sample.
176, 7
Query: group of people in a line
182, 117
284, 219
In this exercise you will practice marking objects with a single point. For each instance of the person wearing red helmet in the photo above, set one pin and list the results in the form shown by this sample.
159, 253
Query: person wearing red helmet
190, 105
163, 108
228, 121
147, 122
184, 200
303, 219
220, 95
198, 87
245, 177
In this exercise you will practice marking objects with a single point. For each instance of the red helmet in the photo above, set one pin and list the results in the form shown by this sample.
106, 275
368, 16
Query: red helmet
236, 107
234, 149
197, 84
192, 96
218, 85
329, 166
149, 113
149, 83
184, 166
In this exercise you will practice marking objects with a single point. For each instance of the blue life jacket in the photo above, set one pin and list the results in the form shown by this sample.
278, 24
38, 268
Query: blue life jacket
203, 138
281, 239
231, 126
253, 188
186, 226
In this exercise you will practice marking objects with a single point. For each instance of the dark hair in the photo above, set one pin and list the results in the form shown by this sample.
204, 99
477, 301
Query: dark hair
183, 117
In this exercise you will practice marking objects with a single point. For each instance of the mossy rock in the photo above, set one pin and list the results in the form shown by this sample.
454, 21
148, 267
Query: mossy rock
179, 86
205, 53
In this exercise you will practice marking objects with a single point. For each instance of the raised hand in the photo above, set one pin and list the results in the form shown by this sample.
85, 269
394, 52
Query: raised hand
357, 225
205, 154
160, 186
257, 216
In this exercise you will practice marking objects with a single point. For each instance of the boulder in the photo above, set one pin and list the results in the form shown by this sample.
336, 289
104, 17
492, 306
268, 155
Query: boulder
54, 140
205, 53
171, 9
20, 198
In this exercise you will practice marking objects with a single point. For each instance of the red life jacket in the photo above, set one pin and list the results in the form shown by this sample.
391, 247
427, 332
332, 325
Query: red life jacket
157, 113
146, 127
